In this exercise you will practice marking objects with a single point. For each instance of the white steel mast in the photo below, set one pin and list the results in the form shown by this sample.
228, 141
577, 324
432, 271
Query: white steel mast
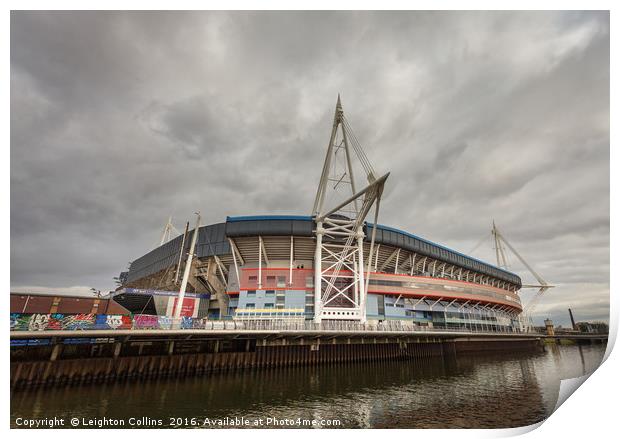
501, 262
339, 279
188, 267
169, 229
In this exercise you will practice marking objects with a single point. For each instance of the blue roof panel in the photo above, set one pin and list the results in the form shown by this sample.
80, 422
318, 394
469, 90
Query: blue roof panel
411, 235
230, 219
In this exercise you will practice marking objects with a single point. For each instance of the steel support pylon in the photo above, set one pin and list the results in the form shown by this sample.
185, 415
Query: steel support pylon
167, 233
525, 319
340, 282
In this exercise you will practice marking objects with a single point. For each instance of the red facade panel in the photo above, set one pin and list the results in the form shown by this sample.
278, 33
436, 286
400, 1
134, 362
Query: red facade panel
277, 279
44, 304
74, 305
39, 305
18, 302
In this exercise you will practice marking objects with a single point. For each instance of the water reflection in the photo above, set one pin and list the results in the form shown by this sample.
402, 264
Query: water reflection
506, 390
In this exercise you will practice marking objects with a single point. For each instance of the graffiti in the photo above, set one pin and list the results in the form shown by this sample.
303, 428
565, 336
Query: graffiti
118, 322
114, 322
78, 321
38, 322
145, 321
111, 321
48, 322
20, 322
187, 323
164, 322
55, 322
35, 322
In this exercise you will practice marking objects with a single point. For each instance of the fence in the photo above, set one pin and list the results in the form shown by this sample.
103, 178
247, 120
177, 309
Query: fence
73, 322
44, 322
348, 326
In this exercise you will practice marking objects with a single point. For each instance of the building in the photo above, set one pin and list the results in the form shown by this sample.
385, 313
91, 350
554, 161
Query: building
549, 327
331, 265
593, 327
263, 266
38, 312
31, 303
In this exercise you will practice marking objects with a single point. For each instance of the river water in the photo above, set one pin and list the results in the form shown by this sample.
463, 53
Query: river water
473, 391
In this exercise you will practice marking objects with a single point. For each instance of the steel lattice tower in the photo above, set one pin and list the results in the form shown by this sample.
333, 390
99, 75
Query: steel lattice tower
340, 283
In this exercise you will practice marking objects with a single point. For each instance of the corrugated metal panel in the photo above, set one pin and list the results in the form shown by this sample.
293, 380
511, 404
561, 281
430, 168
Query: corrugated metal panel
231, 219
70, 305
39, 305
269, 226
211, 240
17, 302
44, 304
398, 238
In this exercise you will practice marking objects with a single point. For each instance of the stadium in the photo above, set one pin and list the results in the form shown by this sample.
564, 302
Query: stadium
335, 264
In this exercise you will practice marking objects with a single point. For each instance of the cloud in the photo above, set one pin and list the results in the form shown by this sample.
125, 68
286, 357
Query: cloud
120, 119
72, 291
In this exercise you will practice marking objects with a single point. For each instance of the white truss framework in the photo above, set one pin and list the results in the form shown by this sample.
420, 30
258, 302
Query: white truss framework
543, 286
340, 284
169, 232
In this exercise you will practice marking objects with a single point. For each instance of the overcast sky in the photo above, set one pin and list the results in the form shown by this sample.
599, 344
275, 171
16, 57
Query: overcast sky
119, 120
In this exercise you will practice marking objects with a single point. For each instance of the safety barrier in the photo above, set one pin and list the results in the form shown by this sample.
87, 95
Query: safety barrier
43, 322
72, 322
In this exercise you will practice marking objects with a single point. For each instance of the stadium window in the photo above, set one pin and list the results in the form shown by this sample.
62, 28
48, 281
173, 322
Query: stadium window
309, 281
281, 281
271, 280
253, 279
250, 306
270, 293
251, 293
268, 305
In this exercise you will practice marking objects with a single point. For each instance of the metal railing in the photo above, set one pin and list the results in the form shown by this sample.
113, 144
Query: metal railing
345, 326
140, 322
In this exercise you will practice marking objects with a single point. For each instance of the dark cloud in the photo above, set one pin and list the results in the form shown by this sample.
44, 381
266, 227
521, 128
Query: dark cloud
119, 119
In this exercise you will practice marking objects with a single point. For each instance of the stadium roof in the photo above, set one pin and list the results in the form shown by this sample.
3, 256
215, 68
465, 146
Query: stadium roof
212, 240
273, 225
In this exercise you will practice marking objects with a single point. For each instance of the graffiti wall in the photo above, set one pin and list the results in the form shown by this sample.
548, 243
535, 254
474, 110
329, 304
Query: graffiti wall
104, 321
43, 322
164, 322
20, 322
73, 322
79, 321
144, 321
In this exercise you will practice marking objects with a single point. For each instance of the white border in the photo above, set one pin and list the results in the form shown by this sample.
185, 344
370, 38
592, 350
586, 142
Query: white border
590, 412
